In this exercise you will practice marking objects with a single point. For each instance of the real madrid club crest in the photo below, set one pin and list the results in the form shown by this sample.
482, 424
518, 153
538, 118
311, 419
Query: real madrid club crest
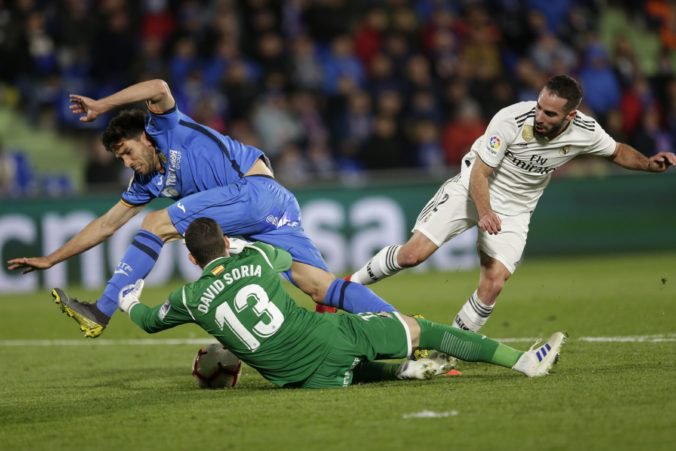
527, 133
564, 150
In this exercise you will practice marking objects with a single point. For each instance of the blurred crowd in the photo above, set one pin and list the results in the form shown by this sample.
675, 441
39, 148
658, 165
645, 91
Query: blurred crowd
332, 88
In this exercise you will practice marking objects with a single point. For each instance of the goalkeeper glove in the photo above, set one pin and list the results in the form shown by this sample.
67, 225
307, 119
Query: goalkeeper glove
129, 296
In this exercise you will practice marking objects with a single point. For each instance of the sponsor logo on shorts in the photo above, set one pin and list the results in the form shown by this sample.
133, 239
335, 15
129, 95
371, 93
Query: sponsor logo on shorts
283, 221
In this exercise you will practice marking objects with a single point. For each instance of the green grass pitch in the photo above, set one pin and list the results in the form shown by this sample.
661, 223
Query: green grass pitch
114, 393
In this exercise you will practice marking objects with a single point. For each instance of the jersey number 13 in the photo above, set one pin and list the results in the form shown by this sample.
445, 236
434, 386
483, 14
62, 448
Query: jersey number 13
262, 307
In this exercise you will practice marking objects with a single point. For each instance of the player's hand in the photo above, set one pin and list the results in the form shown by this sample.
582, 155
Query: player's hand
90, 109
491, 223
28, 264
130, 296
661, 161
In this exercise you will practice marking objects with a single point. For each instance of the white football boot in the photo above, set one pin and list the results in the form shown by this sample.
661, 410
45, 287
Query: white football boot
537, 362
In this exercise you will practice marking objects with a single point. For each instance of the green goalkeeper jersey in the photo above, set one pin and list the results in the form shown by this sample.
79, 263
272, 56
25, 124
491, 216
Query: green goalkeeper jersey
240, 300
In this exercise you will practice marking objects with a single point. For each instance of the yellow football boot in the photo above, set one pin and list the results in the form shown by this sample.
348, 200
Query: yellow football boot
91, 320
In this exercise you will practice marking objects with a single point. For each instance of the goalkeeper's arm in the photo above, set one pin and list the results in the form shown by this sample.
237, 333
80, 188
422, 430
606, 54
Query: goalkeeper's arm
150, 319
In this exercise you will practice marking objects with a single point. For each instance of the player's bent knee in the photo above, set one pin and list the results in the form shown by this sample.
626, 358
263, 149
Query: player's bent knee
159, 223
312, 281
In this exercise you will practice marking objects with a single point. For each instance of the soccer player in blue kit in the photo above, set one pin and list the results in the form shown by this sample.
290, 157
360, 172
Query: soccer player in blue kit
208, 174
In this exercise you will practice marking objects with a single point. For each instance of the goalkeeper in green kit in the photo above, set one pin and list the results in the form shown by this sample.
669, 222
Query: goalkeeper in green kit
240, 300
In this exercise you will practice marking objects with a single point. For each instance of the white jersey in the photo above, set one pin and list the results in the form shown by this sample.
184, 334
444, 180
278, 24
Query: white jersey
524, 163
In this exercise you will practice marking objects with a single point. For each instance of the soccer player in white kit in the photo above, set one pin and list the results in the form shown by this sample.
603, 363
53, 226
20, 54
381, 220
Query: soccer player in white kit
501, 181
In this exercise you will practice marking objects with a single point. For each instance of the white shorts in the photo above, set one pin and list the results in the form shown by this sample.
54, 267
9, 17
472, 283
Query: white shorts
451, 211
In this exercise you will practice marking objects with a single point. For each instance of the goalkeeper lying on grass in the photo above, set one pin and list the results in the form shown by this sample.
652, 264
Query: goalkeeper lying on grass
239, 299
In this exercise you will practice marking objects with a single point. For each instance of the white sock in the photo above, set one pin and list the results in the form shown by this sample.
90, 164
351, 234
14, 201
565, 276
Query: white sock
382, 265
473, 314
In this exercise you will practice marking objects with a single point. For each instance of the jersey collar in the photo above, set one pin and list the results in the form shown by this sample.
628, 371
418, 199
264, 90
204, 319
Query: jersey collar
215, 266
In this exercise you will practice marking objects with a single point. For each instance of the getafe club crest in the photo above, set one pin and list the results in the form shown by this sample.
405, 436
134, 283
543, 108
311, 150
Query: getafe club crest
527, 132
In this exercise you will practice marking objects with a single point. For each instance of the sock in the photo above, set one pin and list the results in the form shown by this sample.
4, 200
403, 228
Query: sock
136, 263
473, 314
466, 345
383, 264
355, 298
367, 372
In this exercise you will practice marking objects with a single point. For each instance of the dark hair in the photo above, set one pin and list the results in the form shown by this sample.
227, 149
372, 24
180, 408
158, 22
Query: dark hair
566, 87
204, 239
127, 124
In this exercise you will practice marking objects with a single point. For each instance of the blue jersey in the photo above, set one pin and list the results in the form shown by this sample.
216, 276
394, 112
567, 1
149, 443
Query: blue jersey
195, 158
204, 171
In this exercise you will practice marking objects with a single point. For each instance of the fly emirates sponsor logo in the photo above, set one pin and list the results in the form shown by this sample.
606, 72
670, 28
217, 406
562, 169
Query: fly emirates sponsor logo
534, 164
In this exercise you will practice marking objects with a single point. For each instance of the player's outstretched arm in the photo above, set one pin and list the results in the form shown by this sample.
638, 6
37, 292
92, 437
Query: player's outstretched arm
155, 93
630, 158
91, 235
153, 319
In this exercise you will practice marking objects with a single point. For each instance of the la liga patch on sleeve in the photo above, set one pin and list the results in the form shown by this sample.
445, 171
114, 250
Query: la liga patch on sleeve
494, 144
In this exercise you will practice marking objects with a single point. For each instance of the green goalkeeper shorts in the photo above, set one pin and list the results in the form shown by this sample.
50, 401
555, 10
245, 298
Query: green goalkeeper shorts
366, 336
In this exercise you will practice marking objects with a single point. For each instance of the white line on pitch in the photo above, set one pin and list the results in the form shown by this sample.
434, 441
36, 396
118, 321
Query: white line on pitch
104, 342
661, 338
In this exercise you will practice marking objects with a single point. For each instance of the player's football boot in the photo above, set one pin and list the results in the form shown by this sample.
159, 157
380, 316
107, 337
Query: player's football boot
91, 320
539, 359
437, 363
321, 308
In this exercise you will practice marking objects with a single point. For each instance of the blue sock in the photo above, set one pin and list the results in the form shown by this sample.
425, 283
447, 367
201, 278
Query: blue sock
137, 262
355, 298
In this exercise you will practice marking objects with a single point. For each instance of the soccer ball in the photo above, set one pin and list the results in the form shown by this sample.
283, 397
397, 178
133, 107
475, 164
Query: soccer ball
216, 367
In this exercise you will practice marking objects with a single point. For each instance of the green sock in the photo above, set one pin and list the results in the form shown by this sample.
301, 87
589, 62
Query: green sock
366, 372
466, 345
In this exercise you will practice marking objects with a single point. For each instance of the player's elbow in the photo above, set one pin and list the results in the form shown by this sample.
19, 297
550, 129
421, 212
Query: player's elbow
107, 228
161, 87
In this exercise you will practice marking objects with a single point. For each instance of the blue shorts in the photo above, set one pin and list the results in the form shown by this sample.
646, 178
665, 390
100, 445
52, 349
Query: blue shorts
256, 208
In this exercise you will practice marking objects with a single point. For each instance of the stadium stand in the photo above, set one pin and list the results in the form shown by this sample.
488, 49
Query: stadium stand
332, 88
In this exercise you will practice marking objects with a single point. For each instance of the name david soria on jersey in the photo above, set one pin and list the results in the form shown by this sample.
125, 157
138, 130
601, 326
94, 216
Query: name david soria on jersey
228, 278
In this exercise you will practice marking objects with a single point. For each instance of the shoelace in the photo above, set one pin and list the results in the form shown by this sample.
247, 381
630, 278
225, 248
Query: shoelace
537, 341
